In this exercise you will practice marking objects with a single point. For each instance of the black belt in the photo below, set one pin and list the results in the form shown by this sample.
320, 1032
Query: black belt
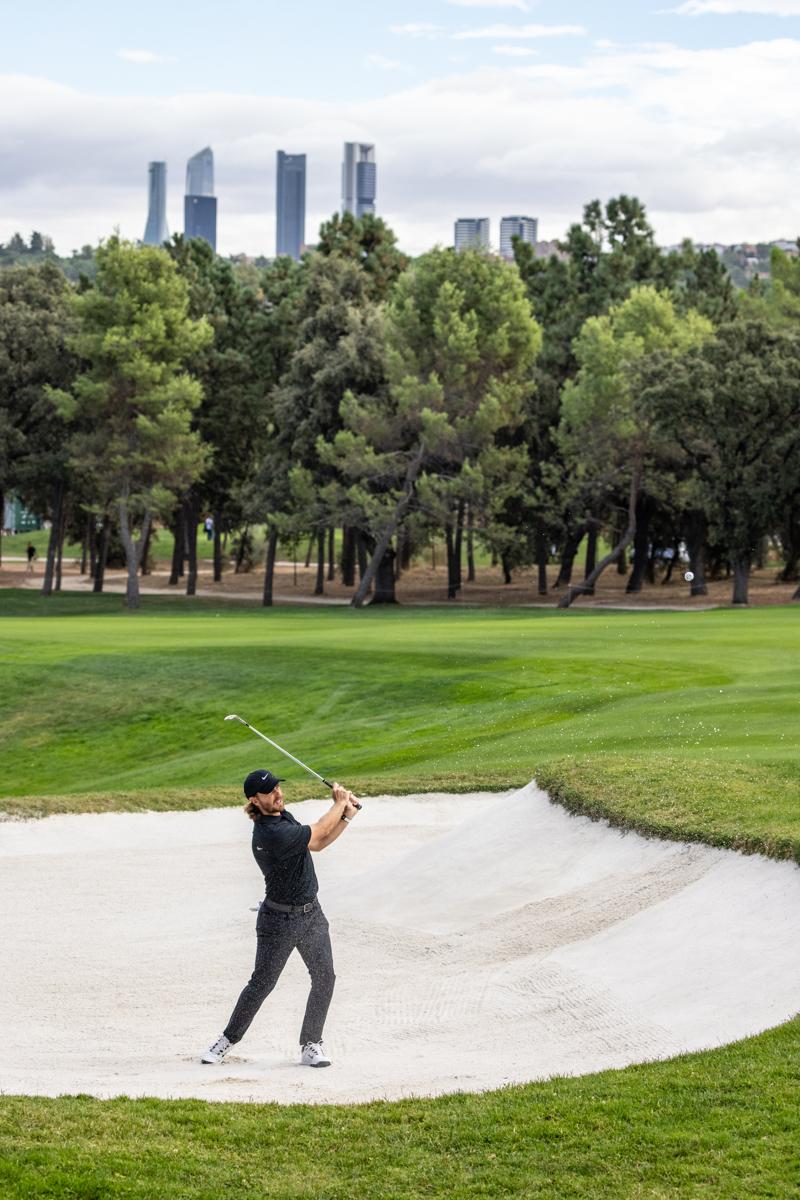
290, 908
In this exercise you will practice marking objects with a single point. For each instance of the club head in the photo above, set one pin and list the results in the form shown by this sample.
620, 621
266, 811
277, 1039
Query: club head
232, 717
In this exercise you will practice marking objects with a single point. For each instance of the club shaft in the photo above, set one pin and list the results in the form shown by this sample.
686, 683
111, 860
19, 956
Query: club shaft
288, 755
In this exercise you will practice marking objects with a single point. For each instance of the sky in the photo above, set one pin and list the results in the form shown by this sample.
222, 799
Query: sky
476, 107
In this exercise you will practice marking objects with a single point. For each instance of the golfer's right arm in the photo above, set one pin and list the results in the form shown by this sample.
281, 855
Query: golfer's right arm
330, 826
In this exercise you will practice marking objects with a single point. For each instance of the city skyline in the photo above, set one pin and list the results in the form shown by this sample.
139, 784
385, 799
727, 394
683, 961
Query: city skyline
486, 108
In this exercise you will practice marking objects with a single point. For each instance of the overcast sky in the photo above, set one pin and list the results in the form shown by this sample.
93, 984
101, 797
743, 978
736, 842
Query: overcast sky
476, 109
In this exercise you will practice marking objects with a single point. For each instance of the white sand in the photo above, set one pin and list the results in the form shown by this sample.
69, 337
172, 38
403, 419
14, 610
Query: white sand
478, 941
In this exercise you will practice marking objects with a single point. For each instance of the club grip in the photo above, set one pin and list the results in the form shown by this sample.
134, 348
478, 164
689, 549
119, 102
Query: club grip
330, 785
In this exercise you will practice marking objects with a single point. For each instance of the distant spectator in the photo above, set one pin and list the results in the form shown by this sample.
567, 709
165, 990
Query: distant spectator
31, 553
209, 527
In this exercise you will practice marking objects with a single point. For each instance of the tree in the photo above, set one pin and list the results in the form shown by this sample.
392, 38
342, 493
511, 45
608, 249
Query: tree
36, 322
370, 242
330, 358
461, 342
606, 433
733, 406
235, 373
135, 336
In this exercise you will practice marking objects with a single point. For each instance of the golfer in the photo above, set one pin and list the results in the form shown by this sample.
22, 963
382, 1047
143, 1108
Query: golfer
289, 917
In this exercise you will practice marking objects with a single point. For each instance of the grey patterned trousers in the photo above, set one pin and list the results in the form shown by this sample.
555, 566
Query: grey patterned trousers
278, 935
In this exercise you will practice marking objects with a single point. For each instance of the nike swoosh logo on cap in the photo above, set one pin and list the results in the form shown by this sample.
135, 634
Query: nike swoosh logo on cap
265, 776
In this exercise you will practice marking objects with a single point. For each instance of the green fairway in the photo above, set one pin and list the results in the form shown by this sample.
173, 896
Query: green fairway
683, 724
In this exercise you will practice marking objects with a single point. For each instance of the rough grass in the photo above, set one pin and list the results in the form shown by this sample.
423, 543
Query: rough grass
678, 724
755, 809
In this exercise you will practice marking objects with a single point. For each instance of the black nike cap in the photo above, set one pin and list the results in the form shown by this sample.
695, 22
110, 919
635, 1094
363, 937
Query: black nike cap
260, 781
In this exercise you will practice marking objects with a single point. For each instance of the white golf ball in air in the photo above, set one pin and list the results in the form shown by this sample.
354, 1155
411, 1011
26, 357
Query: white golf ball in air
689, 576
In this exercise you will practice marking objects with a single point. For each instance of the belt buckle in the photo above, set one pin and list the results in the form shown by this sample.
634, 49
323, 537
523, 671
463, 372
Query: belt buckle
308, 907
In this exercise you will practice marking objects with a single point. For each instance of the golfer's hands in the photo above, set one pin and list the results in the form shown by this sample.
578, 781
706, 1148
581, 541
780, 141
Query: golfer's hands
341, 794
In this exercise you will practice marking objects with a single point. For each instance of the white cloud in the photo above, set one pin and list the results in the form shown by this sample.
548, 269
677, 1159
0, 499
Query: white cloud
419, 29
522, 31
772, 8
143, 57
385, 64
515, 51
520, 4
710, 158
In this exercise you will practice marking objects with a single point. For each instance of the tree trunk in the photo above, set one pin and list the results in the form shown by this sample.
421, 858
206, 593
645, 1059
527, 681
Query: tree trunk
741, 573
696, 545
102, 556
133, 551
310, 550
2, 521
385, 580
331, 554
470, 546
641, 544
541, 562
453, 537
506, 565
671, 565
348, 556
87, 538
144, 556
620, 548
790, 545
592, 530
240, 553
92, 546
319, 586
269, 571
217, 547
62, 532
361, 548
568, 555
400, 510
177, 548
398, 558
190, 529
406, 552
52, 545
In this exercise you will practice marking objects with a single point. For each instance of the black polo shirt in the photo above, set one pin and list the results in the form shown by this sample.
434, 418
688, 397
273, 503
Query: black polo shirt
280, 847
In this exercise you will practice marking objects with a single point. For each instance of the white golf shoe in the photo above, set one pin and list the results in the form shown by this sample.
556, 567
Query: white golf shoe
314, 1056
217, 1052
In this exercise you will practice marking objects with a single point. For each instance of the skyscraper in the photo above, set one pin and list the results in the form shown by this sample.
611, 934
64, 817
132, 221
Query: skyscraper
156, 231
359, 178
199, 203
524, 228
291, 203
472, 233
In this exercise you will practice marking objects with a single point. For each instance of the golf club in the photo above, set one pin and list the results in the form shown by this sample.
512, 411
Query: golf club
241, 720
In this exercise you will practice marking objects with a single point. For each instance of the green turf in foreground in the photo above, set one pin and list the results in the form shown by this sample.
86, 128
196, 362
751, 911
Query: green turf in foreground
721, 1124
683, 724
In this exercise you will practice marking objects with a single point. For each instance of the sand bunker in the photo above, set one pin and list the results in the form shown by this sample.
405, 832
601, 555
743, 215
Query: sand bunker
478, 941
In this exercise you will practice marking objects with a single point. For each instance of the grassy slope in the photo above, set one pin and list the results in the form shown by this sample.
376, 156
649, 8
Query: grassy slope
680, 722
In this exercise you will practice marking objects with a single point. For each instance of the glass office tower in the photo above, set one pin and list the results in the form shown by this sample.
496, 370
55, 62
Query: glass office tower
199, 203
524, 228
471, 233
156, 231
359, 178
291, 204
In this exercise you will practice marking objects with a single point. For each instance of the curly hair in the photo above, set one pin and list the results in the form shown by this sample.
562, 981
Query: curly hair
252, 810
